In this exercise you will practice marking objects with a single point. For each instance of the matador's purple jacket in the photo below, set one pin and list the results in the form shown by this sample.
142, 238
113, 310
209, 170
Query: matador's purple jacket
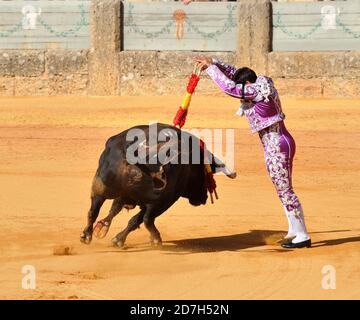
265, 116
263, 108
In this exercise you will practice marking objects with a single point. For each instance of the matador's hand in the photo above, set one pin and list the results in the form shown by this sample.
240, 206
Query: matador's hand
203, 61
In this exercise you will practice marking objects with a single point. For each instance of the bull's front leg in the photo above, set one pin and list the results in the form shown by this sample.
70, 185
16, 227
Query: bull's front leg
155, 237
96, 203
134, 223
153, 211
102, 227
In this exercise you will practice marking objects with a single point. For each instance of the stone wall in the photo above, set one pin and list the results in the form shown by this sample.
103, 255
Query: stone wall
316, 74
106, 70
298, 74
164, 72
104, 55
44, 72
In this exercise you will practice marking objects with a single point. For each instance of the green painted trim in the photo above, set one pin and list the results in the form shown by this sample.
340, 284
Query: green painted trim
229, 24
278, 23
14, 29
59, 34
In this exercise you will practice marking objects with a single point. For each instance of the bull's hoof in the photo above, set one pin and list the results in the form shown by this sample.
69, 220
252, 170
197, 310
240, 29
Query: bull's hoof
101, 229
85, 238
156, 243
118, 243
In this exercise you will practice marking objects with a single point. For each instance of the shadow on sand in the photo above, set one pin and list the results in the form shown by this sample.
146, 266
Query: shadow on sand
234, 242
335, 242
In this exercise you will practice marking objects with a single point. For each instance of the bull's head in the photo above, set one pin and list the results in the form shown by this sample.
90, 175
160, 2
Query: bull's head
197, 185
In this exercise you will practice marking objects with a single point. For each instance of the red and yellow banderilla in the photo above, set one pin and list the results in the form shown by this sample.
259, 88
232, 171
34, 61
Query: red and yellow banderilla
180, 116
180, 119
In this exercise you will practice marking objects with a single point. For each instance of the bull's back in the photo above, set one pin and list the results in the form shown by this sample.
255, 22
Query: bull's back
143, 182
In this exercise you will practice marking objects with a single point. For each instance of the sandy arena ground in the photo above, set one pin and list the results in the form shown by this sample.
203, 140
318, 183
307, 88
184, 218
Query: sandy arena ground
49, 150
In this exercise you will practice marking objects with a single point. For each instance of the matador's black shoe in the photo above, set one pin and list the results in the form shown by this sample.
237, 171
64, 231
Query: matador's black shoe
291, 245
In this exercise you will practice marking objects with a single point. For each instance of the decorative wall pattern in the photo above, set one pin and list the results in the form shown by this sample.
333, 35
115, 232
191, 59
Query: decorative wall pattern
329, 26
44, 24
173, 26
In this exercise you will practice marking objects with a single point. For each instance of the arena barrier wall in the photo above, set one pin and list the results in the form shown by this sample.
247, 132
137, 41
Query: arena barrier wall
113, 47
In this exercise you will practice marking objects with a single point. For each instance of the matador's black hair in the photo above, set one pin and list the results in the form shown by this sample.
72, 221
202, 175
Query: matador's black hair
244, 74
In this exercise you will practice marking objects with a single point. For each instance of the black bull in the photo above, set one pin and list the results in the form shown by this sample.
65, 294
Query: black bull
153, 186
